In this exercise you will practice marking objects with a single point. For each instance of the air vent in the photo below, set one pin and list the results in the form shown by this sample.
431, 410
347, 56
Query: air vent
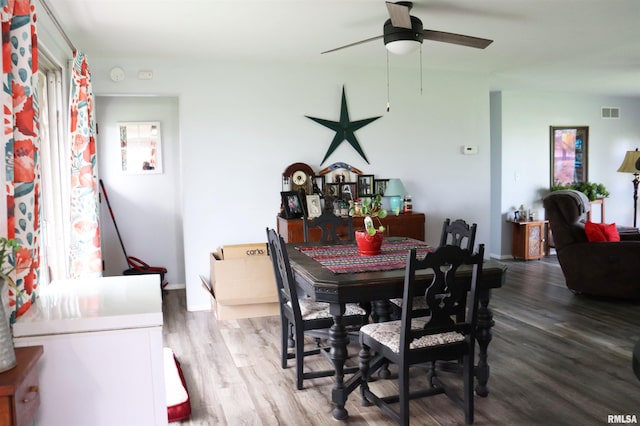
610, 112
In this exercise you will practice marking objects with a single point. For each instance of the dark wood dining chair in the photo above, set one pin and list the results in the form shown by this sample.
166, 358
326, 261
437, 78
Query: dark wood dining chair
414, 340
332, 227
458, 233
306, 317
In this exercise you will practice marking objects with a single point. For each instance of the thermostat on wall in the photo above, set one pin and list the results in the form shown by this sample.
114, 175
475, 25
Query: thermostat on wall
470, 149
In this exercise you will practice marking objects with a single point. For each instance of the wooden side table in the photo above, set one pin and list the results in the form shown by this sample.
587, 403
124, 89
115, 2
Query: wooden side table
598, 202
529, 239
19, 393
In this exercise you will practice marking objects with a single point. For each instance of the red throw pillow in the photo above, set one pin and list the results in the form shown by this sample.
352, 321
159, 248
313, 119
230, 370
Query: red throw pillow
600, 232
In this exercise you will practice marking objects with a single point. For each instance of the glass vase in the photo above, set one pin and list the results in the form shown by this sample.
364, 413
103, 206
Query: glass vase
7, 353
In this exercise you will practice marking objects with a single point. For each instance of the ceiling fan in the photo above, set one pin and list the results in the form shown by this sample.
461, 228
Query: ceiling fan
403, 32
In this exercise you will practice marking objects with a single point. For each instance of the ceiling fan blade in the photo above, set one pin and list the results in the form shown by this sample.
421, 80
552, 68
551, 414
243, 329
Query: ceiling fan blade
352, 44
464, 40
399, 14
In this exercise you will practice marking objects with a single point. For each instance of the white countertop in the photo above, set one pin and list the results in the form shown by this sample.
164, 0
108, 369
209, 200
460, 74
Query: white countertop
96, 304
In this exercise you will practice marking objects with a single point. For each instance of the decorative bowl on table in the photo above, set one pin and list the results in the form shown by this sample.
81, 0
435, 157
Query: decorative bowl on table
369, 245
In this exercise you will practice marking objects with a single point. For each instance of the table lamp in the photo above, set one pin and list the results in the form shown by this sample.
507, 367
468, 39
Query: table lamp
631, 164
395, 190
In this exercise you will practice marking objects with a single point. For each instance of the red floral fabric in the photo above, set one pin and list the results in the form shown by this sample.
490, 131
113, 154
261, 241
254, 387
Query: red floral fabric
85, 251
21, 148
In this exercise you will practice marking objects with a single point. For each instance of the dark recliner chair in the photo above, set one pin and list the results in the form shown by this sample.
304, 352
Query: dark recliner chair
610, 269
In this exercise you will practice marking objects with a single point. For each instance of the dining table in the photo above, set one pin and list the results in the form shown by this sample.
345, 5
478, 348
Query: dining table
337, 274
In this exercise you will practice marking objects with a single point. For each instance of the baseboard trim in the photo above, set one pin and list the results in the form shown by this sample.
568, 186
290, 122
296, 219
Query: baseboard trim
500, 256
178, 286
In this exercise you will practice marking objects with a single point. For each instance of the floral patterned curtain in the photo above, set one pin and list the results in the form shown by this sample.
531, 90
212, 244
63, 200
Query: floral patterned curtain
21, 148
85, 251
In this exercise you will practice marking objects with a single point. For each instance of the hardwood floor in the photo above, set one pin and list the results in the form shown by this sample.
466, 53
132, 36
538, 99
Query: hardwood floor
556, 359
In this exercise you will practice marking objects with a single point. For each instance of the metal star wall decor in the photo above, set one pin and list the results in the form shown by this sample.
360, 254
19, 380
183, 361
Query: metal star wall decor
344, 130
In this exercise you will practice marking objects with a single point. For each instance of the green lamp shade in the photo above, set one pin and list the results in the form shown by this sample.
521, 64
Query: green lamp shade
395, 190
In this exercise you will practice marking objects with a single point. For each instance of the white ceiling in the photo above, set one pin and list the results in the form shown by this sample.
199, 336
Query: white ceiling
585, 45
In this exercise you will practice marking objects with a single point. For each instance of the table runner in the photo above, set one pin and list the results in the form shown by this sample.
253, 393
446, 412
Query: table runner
345, 258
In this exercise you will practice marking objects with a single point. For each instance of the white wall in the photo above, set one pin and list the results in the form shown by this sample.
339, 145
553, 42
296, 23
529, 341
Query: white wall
242, 124
522, 133
147, 208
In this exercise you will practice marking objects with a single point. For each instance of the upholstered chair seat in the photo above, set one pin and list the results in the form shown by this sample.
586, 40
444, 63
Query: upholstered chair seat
315, 310
418, 302
388, 334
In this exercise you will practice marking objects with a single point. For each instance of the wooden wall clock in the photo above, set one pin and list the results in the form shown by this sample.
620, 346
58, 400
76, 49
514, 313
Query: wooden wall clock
300, 176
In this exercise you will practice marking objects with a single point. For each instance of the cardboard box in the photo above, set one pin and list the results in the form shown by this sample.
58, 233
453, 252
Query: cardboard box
231, 312
242, 283
243, 251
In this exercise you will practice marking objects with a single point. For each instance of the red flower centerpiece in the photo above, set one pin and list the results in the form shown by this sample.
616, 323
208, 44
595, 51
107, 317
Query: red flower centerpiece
369, 240
369, 245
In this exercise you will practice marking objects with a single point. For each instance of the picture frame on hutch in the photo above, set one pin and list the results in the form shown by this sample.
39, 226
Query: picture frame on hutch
313, 205
348, 191
379, 186
365, 185
334, 189
292, 206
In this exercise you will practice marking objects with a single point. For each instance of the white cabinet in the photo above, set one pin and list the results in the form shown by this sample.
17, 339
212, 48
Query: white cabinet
103, 357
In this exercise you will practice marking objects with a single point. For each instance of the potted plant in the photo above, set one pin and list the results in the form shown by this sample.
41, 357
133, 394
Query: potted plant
7, 264
592, 190
369, 239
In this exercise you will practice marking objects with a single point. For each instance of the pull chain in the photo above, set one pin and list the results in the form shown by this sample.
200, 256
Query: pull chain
420, 70
388, 100
388, 84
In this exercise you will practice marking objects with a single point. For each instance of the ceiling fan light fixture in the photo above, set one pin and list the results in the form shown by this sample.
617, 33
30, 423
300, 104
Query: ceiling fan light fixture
401, 41
409, 28
402, 47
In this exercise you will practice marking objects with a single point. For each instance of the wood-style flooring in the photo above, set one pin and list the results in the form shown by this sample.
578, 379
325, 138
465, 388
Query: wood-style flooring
556, 359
